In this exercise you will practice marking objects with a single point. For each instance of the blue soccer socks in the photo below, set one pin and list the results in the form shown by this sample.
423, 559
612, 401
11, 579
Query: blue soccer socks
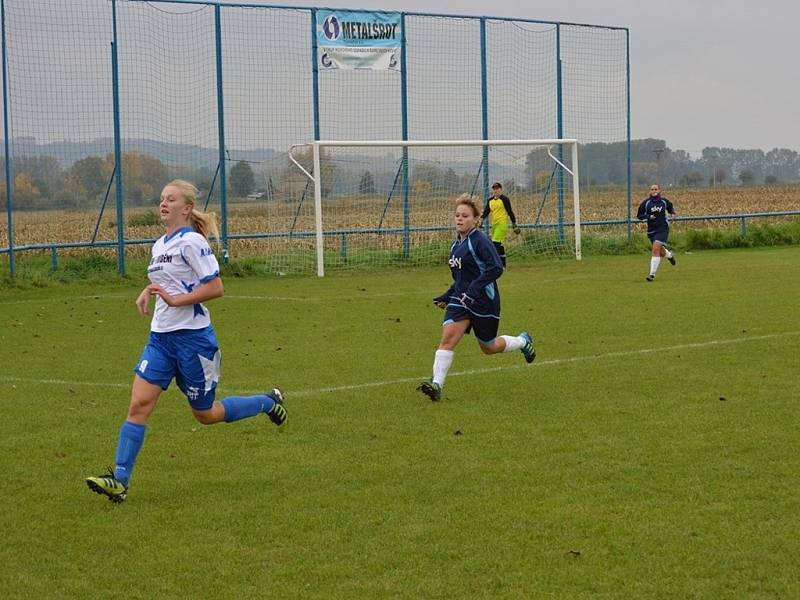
131, 438
244, 407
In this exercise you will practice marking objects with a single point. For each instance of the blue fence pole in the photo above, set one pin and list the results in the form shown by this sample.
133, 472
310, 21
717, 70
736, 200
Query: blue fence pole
404, 125
559, 134
315, 74
223, 180
628, 130
103, 206
211, 187
484, 111
117, 145
7, 145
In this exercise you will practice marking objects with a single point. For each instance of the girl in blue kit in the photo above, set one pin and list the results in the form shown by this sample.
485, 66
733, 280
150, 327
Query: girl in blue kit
183, 273
654, 209
473, 301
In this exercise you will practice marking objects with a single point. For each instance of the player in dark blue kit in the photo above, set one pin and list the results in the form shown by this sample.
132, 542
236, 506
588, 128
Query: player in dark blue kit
473, 301
654, 209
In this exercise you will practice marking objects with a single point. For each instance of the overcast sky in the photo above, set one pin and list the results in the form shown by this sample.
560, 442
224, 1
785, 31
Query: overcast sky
703, 72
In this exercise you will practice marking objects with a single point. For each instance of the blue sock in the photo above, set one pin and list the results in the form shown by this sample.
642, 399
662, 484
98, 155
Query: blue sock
131, 437
243, 407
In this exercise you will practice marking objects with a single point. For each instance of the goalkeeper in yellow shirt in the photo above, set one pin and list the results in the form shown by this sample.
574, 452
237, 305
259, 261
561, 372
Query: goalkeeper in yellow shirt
499, 206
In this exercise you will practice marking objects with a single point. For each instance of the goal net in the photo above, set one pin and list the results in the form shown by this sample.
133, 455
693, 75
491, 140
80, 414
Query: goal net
356, 204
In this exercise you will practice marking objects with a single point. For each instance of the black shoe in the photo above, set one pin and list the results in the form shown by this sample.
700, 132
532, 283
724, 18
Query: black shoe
431, 390
527, 350
651, 277
278, 413
671, 260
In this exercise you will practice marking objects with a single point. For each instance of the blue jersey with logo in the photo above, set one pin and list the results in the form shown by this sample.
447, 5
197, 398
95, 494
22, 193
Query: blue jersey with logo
475, 267
655, 209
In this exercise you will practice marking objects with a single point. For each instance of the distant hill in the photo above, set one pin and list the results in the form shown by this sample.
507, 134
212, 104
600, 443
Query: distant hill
67, 152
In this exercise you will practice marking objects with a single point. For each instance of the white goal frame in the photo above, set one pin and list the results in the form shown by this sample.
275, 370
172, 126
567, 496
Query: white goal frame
317, 175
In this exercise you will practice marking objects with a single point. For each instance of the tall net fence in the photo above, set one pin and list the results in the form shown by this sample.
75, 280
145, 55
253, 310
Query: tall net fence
108, 100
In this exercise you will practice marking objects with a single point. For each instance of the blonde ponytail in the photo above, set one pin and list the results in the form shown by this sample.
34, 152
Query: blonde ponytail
205, 224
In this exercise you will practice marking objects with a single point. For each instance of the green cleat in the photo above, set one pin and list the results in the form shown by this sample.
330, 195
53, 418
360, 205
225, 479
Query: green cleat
527, 350
278, 413
109, 486
431, 390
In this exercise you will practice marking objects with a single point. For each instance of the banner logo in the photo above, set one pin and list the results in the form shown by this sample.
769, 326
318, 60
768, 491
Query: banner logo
331, 28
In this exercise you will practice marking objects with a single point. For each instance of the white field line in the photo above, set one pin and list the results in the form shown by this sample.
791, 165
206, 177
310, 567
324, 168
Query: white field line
555, 361
373, 384
68, 299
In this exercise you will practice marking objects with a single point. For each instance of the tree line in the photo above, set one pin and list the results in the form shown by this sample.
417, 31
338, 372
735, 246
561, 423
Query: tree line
652, 160
41, 182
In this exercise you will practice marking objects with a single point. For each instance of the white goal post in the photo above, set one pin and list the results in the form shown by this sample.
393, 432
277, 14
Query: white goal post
321, 150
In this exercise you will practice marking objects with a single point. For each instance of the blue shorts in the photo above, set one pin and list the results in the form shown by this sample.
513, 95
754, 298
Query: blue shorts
485, 326
659, 236
190, 356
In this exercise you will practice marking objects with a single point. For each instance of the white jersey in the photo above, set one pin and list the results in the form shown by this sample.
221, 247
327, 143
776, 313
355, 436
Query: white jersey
181, 262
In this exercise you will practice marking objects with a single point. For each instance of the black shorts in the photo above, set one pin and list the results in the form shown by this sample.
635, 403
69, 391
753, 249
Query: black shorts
485, 326
659, 236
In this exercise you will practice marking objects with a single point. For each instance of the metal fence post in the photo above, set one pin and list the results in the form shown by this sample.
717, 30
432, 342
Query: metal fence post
223, 180
117, 144
628, 127
559, 134
7, 145
484, 111
404, 125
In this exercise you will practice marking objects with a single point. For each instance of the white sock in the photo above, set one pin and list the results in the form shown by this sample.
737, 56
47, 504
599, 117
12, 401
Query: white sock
441, 365
654, 260
669, 252
513, 342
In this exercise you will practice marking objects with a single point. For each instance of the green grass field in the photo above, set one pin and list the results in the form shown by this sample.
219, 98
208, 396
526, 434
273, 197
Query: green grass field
651, 451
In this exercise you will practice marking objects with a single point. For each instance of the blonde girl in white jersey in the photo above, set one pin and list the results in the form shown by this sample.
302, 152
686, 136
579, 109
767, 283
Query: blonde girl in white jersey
183, 274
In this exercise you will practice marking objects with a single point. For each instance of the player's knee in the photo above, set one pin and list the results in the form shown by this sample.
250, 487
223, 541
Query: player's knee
139, 409
205, 417
449, 341
490, 348
447, 344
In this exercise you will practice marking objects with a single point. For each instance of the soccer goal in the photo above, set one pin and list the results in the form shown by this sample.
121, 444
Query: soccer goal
384, 203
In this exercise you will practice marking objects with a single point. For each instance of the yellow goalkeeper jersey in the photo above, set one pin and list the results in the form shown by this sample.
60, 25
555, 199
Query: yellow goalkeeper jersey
500, 209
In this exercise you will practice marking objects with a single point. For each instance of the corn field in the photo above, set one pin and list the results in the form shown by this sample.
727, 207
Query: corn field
291, 222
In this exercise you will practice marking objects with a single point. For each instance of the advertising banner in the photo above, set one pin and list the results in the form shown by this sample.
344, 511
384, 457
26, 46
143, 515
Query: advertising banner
358, 40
